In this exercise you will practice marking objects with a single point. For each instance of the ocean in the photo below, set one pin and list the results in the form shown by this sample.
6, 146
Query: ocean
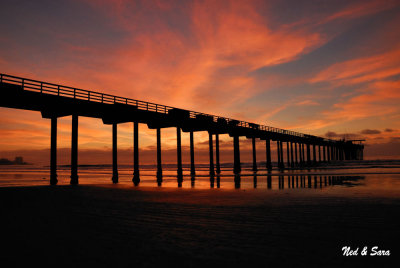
350, 176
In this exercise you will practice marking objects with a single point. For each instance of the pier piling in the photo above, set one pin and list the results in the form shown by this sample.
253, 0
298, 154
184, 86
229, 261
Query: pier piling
287, 154
236, 151
114, 154
210, 143
159, 164
192, 165
179, 153
218, 167
74, 150
53, 151
268, 152
253, 141
136, 176
291, 155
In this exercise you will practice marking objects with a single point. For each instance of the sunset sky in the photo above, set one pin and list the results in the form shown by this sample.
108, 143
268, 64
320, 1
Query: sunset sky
327, 68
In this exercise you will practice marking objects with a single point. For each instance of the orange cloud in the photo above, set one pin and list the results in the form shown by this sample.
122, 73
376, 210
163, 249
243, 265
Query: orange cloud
381, 99
360, 70
307, 103
208, 69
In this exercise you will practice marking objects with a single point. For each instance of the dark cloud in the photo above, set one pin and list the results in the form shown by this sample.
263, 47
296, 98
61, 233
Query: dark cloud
389, 130
347, 136
331, 134
370, 131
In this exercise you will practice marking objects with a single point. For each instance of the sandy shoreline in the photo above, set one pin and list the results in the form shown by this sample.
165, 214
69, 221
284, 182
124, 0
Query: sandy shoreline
108, 225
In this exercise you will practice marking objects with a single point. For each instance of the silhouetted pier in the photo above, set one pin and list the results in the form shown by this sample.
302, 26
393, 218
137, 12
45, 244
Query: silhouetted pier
53, 101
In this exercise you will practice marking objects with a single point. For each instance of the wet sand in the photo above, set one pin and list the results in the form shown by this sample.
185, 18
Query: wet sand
116, 225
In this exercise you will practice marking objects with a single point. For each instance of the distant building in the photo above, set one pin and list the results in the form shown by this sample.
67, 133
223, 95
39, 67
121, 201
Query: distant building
19, 160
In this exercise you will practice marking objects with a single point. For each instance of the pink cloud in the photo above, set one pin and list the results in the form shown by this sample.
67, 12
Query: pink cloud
363, 8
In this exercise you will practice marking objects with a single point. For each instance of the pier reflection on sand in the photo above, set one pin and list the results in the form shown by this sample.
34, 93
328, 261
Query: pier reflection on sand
267, 181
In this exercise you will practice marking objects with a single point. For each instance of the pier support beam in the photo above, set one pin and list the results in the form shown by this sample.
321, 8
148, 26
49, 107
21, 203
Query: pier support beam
268, 152
287, 154
334, 152
179, 153
136, 176
291, 155
324, 152
53, 152
342, 153
328, 154
236, 151
114, 154
295, 154
278, 154
217, 154
308, 155
282, 163
314, 155
210, 145
300, 155
159, 164
319, 153
337, 153
192, 165
74, 150
253, 141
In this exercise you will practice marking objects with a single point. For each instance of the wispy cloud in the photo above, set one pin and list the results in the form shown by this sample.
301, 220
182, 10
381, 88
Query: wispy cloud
360, 70
361, 8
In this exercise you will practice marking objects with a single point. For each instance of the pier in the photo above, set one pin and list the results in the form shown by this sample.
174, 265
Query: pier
54, 101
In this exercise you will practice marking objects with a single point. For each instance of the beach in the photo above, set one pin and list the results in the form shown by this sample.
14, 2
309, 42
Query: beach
122, 225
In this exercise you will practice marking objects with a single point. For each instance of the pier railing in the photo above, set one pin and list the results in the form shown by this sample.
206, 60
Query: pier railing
92, 96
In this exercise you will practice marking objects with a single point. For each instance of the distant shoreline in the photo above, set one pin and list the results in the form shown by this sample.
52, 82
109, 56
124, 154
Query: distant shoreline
19, 160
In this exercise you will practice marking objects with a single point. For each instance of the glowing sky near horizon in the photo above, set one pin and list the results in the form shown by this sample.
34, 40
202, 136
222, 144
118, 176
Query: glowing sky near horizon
328, 68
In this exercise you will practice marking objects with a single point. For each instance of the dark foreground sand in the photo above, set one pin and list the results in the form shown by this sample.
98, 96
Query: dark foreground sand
135, 227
